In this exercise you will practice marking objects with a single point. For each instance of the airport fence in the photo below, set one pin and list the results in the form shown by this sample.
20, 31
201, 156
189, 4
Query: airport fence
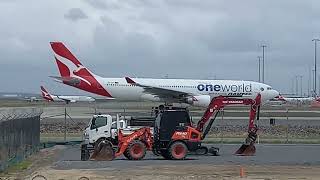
19, 134
275, 126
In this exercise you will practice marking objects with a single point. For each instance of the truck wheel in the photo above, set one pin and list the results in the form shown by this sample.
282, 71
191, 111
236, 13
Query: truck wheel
85, 155
136, 150
96, 144
178, 150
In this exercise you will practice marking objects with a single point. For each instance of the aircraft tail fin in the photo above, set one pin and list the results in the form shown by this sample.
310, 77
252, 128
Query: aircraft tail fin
45, 94
66, 61
73, 73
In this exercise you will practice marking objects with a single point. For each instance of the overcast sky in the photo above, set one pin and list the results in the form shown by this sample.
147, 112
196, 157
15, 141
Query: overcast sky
153, 38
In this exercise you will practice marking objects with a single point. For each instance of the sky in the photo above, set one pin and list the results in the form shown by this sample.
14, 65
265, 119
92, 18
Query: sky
207, 39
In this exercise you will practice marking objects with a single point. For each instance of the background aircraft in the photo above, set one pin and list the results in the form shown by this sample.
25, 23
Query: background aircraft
49, 97
296, 100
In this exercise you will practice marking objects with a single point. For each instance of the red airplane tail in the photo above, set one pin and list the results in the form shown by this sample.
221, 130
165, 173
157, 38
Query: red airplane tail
73, 73
45, 95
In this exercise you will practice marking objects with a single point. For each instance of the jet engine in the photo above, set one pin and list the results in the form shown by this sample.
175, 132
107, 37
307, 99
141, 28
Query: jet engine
202, 100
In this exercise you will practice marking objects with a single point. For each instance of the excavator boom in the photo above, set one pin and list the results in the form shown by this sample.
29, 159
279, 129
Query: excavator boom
220, 102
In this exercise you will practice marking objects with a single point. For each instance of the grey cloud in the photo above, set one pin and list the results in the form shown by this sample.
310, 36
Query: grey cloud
75, 14
102, 4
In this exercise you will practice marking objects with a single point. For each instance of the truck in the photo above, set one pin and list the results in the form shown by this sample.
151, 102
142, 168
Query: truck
105, 127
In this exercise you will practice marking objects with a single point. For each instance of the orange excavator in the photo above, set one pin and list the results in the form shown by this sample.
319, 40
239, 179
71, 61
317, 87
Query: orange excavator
174, 136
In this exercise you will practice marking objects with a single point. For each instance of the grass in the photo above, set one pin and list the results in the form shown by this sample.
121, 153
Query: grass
59, 137
17, 168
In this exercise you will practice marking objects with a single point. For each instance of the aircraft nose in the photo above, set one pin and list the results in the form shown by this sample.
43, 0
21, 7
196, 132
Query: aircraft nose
270, 94
275, 94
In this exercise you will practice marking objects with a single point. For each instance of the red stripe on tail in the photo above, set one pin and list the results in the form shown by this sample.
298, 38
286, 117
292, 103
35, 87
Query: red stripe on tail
70, 66
45, 94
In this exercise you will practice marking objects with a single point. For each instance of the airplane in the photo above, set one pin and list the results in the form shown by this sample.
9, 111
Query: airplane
49, 97
188, 91
32, 99
295, 100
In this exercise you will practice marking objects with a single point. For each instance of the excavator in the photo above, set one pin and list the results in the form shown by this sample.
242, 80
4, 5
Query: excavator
174, 135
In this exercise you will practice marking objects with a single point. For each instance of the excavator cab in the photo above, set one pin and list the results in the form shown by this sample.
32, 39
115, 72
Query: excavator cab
174, 135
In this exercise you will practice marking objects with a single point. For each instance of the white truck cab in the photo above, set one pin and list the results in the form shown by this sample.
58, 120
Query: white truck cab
102, 126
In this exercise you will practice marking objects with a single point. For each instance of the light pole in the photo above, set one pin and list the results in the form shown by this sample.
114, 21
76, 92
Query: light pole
263, 47
300, 85
319, 84
259, 62
313, 91
309, 81
297, 85
292, 87
315, 65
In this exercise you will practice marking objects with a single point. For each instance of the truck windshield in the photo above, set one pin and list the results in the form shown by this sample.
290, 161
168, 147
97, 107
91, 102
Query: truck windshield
98, 122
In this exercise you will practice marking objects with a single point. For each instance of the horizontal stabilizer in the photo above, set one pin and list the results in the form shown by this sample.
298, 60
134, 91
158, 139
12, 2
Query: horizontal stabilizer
67, 80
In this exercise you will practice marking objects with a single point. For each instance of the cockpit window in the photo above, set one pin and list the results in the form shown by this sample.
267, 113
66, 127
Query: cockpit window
269, 88
262, 89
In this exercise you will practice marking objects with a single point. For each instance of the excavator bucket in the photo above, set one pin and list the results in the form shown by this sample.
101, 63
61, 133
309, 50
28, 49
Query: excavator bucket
103, 152
246, 150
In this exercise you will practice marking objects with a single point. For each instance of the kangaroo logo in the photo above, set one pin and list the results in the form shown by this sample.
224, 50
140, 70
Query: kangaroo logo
46, 95
74, 69
73, 73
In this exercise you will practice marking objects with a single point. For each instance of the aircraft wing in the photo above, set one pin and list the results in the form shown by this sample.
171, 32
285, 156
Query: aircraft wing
162, 93
66, 100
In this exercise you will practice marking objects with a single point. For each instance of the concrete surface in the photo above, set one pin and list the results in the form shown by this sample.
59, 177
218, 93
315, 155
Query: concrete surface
306, 155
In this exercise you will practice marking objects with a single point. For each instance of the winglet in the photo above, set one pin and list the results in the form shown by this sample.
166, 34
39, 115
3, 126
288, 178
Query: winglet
129, 80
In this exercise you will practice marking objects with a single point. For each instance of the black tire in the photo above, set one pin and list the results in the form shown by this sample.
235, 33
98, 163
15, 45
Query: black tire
165, 154
178, 150
126, 154
136, 150
85, 155
96, 144
203, 150
214, 151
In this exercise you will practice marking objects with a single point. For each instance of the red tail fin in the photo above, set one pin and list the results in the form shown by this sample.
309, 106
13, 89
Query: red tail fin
45, 94
70, 66
66, 61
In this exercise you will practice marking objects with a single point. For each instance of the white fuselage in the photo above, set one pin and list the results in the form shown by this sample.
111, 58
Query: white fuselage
72, 98
120, 89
